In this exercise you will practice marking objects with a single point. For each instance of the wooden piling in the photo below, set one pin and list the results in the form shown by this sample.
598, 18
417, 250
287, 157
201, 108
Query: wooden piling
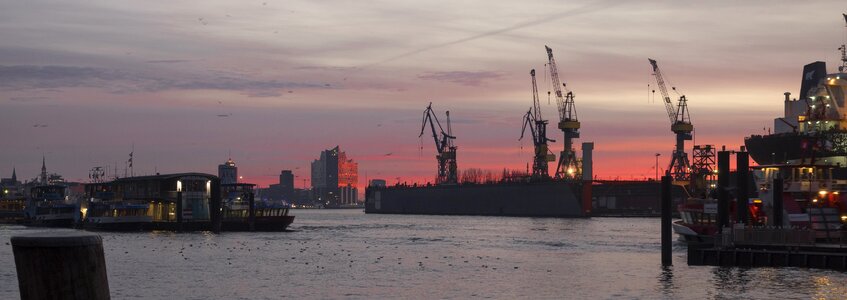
777, 203
215, 205
742, 167
667, 257
723, 189
58, 265
251, 218
179, 211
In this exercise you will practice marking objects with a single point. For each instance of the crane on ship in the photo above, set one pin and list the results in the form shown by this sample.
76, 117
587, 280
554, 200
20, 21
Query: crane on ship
538, 128
447, 172
568, 167
680, 167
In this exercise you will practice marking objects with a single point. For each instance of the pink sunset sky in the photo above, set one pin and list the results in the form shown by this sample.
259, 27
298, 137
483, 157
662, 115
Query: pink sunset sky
275, 82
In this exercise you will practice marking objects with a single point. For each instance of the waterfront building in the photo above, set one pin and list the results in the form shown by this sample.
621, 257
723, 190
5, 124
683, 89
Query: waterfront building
228, 172
377, 182
282, 191
10, 186
335, 178
348, 178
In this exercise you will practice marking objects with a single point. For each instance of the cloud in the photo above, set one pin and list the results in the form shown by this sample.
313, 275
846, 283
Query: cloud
588, 8
23, 77
27, 99
461, 77
167, 61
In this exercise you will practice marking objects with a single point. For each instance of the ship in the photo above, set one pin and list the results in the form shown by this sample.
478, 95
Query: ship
241, 211
178, 202
174, 202
49, 206
791, 138
801, 173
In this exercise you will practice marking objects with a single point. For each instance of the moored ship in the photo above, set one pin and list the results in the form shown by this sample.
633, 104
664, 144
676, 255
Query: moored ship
241, 212
179, 202
801, 177
49, 206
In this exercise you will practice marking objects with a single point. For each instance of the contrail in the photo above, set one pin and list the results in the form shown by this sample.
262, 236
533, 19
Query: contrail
574, 12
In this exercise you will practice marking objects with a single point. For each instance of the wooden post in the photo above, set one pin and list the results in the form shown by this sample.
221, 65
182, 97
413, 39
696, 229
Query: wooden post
179, 211
742, 171
723, 190
776, 191
57, 265
251, 218
215, 205
667, 257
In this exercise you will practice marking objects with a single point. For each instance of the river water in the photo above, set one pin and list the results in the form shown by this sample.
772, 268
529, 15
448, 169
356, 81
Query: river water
349, 254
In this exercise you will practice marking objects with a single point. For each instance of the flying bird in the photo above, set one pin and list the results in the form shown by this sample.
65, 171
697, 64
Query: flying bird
389, 153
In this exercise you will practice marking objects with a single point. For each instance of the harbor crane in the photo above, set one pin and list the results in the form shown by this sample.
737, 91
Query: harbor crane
538, 129
568, 167
680, 167
447, 172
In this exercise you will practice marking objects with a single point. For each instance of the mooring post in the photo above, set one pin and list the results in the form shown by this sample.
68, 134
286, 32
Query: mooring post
179, 211
251, 219
742, 167
723, 189
667, 258
777, 202
215, 205
60, 265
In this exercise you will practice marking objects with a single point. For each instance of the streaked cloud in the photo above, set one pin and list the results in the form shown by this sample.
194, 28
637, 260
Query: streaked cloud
462, 77
296, 77
23, 77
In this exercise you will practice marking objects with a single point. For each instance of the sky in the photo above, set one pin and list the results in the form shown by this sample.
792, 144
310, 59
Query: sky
184, 86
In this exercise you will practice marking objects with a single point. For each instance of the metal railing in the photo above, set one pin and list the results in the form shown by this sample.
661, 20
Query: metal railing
767, 236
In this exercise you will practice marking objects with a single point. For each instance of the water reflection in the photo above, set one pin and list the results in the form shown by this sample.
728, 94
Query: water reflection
666, 281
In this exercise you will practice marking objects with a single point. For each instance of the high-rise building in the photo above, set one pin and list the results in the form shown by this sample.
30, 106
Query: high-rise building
286, 185
228, 172
335, 178
348, 178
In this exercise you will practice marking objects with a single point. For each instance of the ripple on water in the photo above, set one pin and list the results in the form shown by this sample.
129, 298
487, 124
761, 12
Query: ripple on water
347, 254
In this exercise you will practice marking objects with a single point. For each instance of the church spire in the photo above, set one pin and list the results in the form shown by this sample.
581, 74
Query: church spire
14, 175
43, 170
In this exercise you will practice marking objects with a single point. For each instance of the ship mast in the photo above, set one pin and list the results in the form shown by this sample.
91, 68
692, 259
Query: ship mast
843, 48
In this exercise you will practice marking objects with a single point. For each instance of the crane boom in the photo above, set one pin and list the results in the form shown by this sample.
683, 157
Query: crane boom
535, 101
660, 81
568, 167
567, 111
680, 167
447, 171
538, 128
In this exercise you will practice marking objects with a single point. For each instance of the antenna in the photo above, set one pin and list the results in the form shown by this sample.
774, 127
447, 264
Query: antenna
843, 48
